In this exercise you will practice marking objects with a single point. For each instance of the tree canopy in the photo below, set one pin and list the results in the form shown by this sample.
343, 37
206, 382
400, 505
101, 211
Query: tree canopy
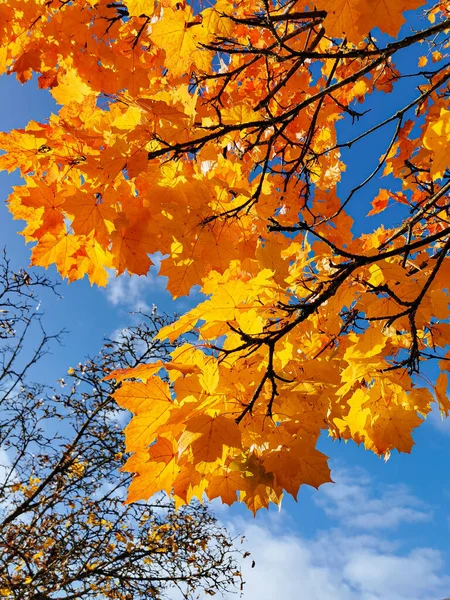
241, 140
65, 532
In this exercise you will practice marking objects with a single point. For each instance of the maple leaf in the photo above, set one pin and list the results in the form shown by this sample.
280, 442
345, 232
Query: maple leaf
379, 203
180, 35
144, 372
207, 436
225, 486
58, 249
153, 477
434, 139
354, 19
300, 467
92, 260
151, 404
392, 428
136, 8
70, 88
90, 215
23, 148
130, 246
25, 65
46, 206
367, 345
441, 393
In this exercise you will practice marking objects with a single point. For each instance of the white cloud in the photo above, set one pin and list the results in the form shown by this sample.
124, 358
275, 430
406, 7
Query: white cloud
5, 467
134, 291
130, 291
8, 475
339, 566
417, 574
354, 560
286, 568
355, 503
139, 293
439, 423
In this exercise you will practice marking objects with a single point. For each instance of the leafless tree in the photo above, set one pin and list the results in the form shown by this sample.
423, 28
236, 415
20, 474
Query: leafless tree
65, 531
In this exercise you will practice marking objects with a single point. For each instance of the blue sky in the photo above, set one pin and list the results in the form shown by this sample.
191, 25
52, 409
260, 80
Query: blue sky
380, 533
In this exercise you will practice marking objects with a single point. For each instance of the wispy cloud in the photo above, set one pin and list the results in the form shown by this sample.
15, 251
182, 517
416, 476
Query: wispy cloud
8, 475
356, 559
355, 502
339, 566
136, 292
439, 423
131, 291
6, 471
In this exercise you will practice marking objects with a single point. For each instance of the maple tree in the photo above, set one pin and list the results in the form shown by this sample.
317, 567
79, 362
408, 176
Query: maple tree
220, 135
64, 529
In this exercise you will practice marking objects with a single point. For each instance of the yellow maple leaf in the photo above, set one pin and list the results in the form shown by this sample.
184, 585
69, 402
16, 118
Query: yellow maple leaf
206, 436
367, 345
136, 8
151, 403
225, 486
354, 19
56, 249
435, 139
70, 88
441, 388
180, 36
296, 466
152, 477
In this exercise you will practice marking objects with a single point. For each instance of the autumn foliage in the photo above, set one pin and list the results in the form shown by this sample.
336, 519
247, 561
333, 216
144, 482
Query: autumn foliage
247, 142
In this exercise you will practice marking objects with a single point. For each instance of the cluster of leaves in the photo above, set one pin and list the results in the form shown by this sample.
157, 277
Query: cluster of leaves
64, 529
211, 136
